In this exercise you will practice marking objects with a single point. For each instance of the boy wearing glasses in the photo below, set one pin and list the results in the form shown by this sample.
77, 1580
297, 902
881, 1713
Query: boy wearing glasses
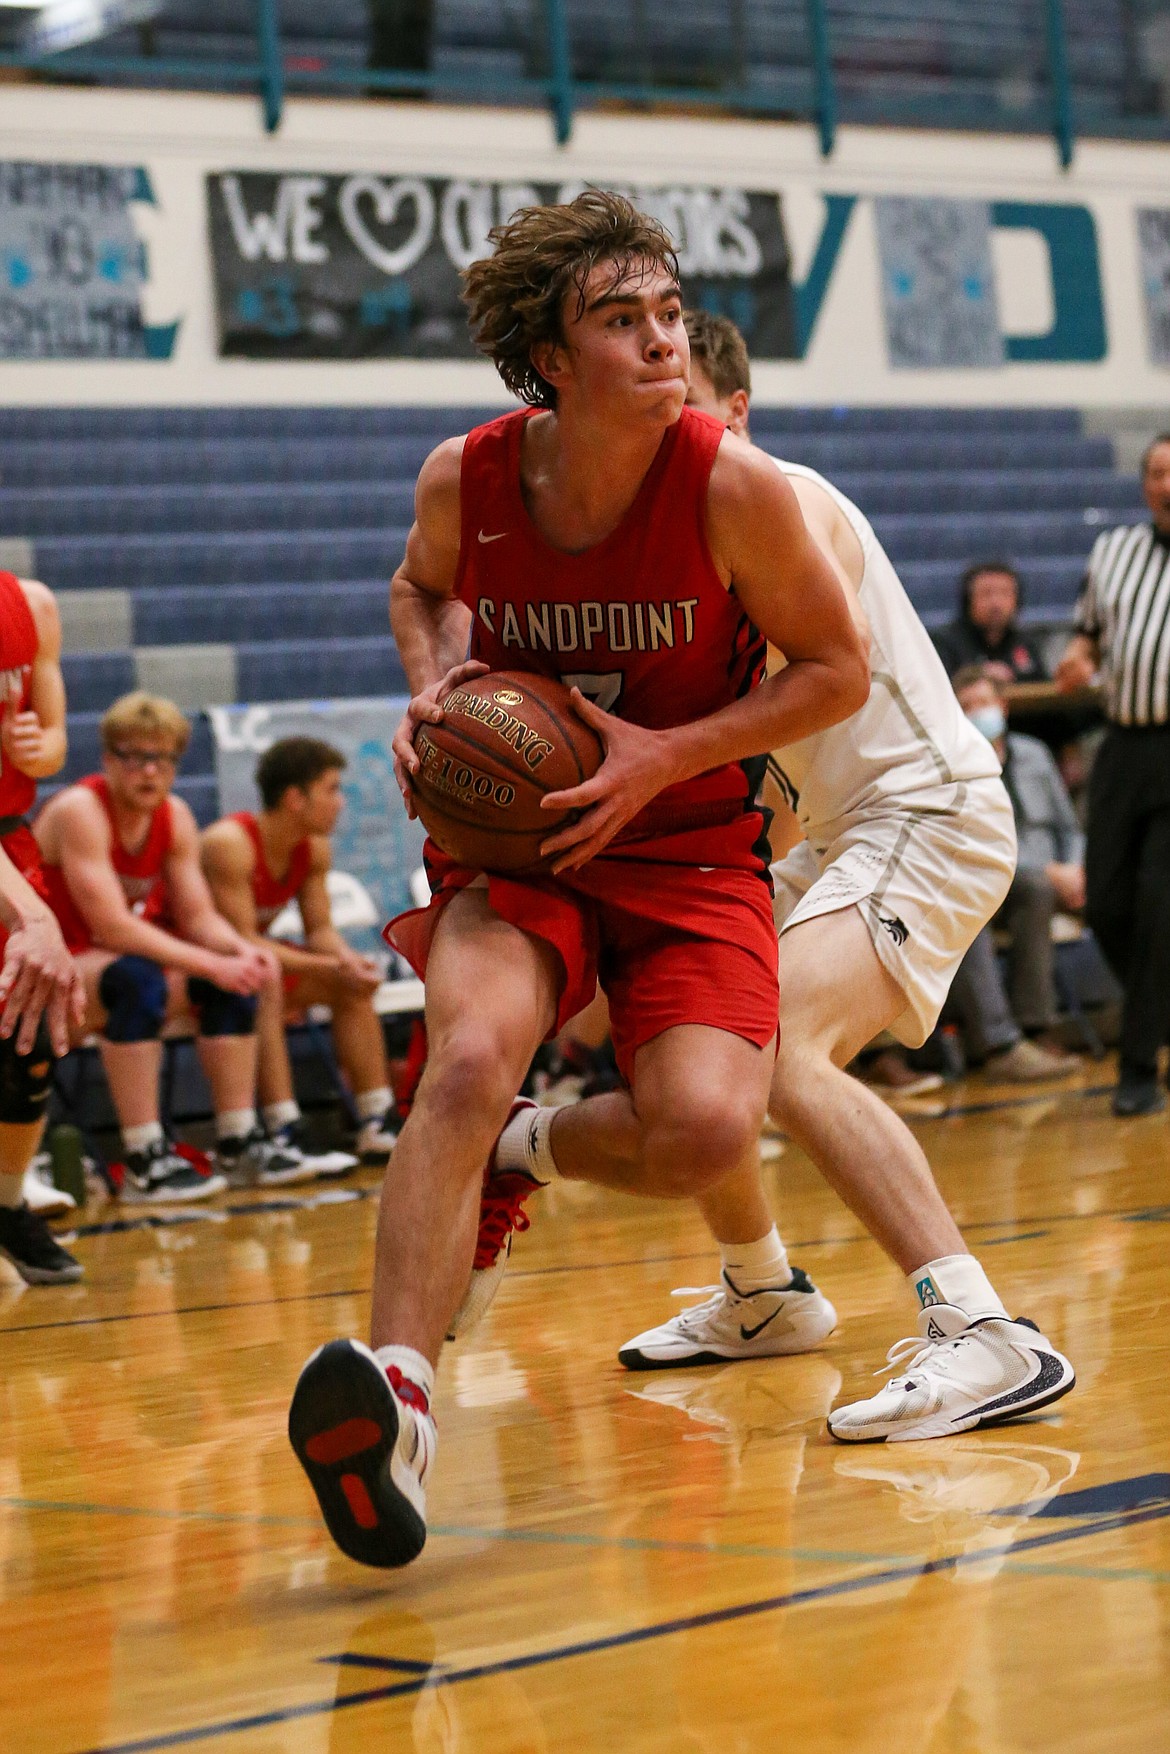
121, 858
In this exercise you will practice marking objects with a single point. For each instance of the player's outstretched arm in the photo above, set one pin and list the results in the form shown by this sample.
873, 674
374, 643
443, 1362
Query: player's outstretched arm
38, 978
244, 965
430, 626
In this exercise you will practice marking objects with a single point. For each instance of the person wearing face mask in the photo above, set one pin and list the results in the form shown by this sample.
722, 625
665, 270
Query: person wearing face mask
1050, 875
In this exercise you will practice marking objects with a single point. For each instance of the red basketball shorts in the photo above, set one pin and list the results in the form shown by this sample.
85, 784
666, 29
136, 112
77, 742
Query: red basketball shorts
677, 930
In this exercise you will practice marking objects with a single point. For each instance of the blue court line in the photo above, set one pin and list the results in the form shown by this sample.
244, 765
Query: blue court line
994, 1242
871, 1580
470, 1532
350, 1659
994, 1104
564, 1538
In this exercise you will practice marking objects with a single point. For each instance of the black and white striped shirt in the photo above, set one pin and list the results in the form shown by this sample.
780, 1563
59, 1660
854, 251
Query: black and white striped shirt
1124, 606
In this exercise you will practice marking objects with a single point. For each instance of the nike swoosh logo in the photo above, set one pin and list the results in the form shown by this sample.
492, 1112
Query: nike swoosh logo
497, 538
750, 1333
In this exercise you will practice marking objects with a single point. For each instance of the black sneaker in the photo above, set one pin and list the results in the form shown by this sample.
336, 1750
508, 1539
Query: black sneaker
1137, 1093
256, 1161
34, 1251
161, 1173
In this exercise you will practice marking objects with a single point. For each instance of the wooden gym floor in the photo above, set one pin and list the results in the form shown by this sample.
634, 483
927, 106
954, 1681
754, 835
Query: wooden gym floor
675, 1562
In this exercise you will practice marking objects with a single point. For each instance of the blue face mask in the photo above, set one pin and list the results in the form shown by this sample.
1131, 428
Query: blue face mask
990, 720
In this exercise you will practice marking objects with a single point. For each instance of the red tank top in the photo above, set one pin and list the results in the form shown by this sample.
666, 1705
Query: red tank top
270, 893
18, 651
141, 874
641, 622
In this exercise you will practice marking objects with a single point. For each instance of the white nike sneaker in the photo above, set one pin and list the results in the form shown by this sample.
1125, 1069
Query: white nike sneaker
366, 1439
959, 1374
735, 1324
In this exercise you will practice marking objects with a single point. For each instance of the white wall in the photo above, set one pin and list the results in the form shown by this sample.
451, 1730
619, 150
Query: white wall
179, 138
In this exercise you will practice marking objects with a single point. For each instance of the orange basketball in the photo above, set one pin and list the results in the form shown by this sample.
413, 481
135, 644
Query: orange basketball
505, 741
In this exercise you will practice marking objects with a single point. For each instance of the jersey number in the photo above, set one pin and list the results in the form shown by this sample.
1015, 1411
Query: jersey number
602, 688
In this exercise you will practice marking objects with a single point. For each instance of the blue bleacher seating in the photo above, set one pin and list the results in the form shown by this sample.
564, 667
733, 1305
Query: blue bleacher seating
949, 62
274, 530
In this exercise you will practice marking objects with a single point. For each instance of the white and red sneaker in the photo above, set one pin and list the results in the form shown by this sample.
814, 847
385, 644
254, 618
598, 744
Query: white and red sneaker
365, 1437
501, 1212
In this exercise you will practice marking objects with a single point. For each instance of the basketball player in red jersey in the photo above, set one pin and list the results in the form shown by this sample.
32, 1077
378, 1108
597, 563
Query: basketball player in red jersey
642, 554
122, 865
256, 865
32, 746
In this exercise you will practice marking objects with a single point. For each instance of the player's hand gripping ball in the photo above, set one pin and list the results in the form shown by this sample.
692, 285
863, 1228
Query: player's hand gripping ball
504, 741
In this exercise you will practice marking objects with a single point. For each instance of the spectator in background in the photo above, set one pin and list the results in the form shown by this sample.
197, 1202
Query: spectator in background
1122, 624
256, 865
1050, 871
121, 866
985, 630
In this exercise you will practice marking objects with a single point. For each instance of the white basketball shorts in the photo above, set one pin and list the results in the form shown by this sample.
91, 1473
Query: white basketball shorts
927, 871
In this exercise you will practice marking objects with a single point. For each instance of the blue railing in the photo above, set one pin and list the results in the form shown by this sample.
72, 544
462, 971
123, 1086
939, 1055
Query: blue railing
271, 74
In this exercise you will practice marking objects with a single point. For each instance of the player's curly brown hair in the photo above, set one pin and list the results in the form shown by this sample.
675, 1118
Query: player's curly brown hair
515, 296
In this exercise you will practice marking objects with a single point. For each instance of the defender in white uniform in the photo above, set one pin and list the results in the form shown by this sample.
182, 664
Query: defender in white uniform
909, 849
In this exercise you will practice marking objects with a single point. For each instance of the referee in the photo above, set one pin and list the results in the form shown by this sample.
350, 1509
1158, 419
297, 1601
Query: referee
1122, 628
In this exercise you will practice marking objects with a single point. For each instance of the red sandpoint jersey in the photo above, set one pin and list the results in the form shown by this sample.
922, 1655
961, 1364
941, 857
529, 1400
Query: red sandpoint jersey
142, 875
271, 894
18, 651
641, 622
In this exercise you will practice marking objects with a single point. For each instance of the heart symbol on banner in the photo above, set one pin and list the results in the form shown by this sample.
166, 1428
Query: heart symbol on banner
388, 200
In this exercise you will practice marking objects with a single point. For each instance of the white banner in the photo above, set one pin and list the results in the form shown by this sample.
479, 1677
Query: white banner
374, 840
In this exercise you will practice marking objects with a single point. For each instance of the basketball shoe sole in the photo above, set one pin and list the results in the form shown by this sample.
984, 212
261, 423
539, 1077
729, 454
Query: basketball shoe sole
348, 1431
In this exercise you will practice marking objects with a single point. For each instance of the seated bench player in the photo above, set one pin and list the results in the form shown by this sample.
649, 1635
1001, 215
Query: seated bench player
255, 865
121, 858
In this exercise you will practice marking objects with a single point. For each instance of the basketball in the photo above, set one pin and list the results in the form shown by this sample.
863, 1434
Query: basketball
506, 740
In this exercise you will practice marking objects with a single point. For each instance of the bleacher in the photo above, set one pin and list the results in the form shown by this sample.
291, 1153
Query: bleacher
950, 62
242, 554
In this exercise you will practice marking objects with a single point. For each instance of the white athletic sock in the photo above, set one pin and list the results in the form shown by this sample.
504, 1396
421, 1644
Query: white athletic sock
235, 1123
413, 1368
141, 1138
371, 1105
524, 1144
280, 1114
958, 1280
11, 1190
752, 1266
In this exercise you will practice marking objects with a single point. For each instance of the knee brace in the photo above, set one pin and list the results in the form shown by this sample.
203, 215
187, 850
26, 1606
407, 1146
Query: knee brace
134, 993
220, 1012
25, 1080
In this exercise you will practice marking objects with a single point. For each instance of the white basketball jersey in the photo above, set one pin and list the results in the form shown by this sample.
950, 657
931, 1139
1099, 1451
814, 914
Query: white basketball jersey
911, 735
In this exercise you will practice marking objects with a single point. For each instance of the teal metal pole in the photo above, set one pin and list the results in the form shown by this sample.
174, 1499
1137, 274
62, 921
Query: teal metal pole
1062, 108
561, 68
822, 59
271, 62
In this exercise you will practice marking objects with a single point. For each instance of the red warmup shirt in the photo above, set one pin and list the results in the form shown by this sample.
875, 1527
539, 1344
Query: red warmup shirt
141, 874
641, 622
270, 894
